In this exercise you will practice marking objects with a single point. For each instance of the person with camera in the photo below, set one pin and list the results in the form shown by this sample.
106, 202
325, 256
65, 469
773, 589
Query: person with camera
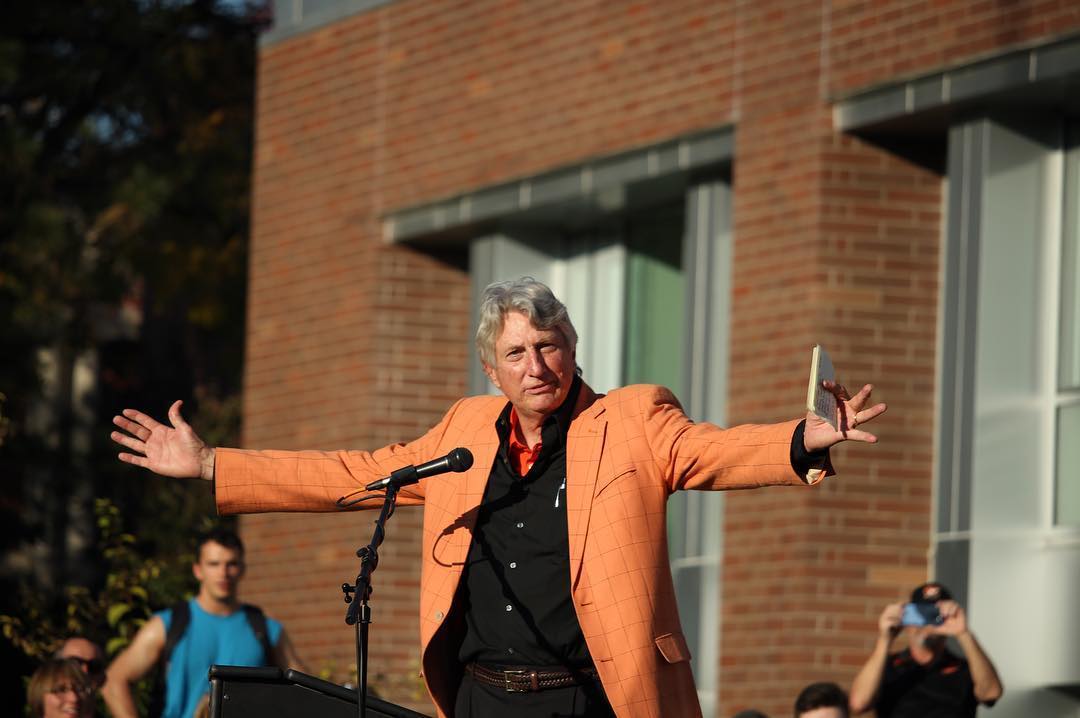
925, 679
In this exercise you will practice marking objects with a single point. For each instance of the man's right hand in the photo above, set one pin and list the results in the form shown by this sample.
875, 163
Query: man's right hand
889, 621
170, 451
867, 683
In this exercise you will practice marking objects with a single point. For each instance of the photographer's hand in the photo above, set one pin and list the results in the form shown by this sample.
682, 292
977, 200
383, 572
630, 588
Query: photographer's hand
986, 683
867, 683
889, 621
954, 621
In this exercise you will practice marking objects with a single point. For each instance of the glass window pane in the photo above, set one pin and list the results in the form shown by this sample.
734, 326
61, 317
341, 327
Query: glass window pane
655, 297
1010, 348
1068, 465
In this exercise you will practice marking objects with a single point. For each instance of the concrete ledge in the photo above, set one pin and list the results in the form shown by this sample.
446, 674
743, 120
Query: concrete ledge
1048, 73
595, 182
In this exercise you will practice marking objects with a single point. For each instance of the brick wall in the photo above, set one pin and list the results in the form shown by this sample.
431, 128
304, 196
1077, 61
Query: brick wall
835, 242
873, 42
355, 343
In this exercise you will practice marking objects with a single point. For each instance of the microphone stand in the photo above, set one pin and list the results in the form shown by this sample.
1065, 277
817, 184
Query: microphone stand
358, 613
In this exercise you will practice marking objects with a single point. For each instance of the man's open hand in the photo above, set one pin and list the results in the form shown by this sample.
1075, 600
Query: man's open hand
851, 411
167, 450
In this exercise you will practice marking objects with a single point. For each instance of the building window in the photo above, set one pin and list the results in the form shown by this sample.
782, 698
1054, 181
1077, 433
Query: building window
1008, 485
1009, 457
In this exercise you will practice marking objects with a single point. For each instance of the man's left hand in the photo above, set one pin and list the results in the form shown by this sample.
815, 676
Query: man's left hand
851, 412
954, 621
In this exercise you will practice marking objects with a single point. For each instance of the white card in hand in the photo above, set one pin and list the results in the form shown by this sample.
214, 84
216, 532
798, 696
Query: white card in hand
818, 400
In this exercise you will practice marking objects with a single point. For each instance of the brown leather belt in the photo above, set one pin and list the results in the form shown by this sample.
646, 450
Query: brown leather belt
527, 680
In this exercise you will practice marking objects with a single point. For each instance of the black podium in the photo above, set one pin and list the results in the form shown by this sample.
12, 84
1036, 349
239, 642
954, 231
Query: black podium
240, 692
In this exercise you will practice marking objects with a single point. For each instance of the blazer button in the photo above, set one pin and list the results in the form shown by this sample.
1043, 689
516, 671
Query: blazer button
438, 615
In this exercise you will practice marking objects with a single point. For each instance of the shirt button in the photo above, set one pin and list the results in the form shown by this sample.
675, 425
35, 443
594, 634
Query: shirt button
509, 607
510, 651
520, 525
513, 564
438, 615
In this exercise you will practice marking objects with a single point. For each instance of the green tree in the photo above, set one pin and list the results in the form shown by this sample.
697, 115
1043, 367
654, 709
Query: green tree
125, 155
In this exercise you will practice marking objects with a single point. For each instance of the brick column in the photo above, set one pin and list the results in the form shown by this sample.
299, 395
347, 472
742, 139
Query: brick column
835, 242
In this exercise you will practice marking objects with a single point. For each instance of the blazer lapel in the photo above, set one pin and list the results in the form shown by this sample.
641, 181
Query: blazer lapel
585, 444
467, 492
485, 448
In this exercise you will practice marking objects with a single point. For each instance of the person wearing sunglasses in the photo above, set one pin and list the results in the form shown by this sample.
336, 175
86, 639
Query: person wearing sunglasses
87, 655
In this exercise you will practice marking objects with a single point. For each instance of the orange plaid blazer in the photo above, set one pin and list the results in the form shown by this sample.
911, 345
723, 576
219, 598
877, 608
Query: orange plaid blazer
627, 451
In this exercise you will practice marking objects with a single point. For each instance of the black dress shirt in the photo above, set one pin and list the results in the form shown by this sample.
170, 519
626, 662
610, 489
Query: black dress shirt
515, 590
941, 689
516, 586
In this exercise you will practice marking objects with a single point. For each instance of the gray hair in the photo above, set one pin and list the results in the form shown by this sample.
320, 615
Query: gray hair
526, 295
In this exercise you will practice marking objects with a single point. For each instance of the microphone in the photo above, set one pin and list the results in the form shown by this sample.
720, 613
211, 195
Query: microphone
458, 460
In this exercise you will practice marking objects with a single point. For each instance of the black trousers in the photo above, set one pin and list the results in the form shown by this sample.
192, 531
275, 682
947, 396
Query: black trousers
478, 700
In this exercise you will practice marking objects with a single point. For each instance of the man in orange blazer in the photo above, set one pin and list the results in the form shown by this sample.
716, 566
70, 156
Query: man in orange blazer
545, 585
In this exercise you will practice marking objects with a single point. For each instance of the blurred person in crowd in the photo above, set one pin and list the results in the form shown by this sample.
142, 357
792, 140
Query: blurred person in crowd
925, 678
822, 700
214, 627
88, 655
559, 523
60, 689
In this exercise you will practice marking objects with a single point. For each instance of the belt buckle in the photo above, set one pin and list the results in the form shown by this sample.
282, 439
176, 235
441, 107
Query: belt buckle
508, 676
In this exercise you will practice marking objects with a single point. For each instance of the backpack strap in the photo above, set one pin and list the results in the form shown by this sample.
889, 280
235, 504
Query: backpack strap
181, 618
257, 620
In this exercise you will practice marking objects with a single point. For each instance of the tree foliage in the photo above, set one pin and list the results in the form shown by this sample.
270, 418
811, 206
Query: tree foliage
125, 156
134, 585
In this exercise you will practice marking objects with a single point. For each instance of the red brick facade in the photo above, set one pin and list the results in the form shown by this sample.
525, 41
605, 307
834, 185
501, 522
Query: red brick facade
354, 343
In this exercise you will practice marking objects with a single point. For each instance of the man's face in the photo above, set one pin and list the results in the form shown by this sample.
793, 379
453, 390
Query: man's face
218, 571
925, 637
534, 368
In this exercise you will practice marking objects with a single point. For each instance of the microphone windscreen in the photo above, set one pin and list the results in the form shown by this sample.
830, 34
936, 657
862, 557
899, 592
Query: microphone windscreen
460, 459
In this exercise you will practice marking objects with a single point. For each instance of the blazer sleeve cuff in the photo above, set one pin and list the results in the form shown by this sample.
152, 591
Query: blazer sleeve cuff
811, 466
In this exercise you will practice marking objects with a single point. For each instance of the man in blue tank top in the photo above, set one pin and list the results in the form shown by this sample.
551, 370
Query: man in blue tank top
211, 628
